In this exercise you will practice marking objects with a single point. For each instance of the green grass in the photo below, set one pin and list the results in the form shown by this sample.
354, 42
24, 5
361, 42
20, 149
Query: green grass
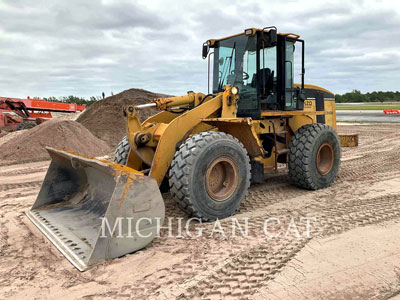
368, 106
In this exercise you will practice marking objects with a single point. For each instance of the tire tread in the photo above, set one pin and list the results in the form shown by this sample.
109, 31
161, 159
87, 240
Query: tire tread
122, 151
182, 164
300, 160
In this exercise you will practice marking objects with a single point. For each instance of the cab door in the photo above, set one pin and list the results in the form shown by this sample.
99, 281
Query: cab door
287, 94
289, 76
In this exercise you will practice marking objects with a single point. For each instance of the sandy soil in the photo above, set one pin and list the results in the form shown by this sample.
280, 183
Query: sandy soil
352, 251
363, 263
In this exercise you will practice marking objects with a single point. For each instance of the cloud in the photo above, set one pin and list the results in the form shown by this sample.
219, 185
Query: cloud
85, 47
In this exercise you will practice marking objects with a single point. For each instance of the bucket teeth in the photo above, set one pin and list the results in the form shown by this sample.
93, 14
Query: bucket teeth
82, 200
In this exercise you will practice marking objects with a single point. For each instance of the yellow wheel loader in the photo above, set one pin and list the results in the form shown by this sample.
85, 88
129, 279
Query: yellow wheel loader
206, 149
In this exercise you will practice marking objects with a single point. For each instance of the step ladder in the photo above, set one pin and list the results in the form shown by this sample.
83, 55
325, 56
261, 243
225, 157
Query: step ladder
278, 152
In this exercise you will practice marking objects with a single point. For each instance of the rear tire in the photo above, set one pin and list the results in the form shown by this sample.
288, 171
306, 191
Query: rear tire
122, 152
26, 125
314, 157
210, 175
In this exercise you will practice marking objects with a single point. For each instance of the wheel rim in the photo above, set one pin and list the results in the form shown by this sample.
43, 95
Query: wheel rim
325, 158
221, 178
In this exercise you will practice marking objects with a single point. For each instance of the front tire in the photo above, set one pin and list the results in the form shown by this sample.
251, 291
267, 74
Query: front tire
121, 155
314, 157
122, 152
210, 175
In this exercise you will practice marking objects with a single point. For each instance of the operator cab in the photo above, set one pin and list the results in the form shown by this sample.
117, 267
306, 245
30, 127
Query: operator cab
260, 63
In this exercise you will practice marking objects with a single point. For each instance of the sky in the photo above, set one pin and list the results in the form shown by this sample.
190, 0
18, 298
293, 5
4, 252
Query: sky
86, 47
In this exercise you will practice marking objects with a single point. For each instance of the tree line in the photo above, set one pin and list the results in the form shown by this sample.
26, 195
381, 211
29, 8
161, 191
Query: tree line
357, 96
74, 99
350, 97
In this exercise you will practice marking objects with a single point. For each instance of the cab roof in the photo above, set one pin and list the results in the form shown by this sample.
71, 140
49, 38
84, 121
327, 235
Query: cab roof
253, 31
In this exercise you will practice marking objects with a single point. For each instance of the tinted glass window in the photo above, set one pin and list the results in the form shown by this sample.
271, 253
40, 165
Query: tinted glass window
235, 64
289, 103
268, 59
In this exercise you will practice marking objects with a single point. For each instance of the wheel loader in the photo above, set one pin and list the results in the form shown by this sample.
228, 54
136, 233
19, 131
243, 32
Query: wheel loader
205, 148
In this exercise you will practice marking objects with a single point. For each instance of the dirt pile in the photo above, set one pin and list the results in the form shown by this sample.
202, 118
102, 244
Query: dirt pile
105, 120
29, 145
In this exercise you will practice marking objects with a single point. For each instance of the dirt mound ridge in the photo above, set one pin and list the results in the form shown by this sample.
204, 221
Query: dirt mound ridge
63, 134
105, 120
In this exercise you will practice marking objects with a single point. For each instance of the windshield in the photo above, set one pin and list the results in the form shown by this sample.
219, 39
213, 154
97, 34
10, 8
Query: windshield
235, 64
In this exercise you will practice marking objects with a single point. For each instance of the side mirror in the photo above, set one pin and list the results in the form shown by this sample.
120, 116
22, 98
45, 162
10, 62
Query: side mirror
301, 97
273, 36
270, 37
206, 49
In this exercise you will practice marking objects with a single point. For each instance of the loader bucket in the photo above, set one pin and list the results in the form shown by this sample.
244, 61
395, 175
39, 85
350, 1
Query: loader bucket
93, 210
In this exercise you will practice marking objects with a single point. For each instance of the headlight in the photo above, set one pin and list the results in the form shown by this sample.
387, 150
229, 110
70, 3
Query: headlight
248, 32
234, 90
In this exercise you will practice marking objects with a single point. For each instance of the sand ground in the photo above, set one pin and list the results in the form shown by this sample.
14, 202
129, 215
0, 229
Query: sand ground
352, 252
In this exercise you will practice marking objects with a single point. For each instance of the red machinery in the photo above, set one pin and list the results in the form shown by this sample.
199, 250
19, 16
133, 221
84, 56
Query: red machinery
391, 111
18, 114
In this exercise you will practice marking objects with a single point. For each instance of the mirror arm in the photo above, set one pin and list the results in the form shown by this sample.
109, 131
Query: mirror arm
303, 70
208, 78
